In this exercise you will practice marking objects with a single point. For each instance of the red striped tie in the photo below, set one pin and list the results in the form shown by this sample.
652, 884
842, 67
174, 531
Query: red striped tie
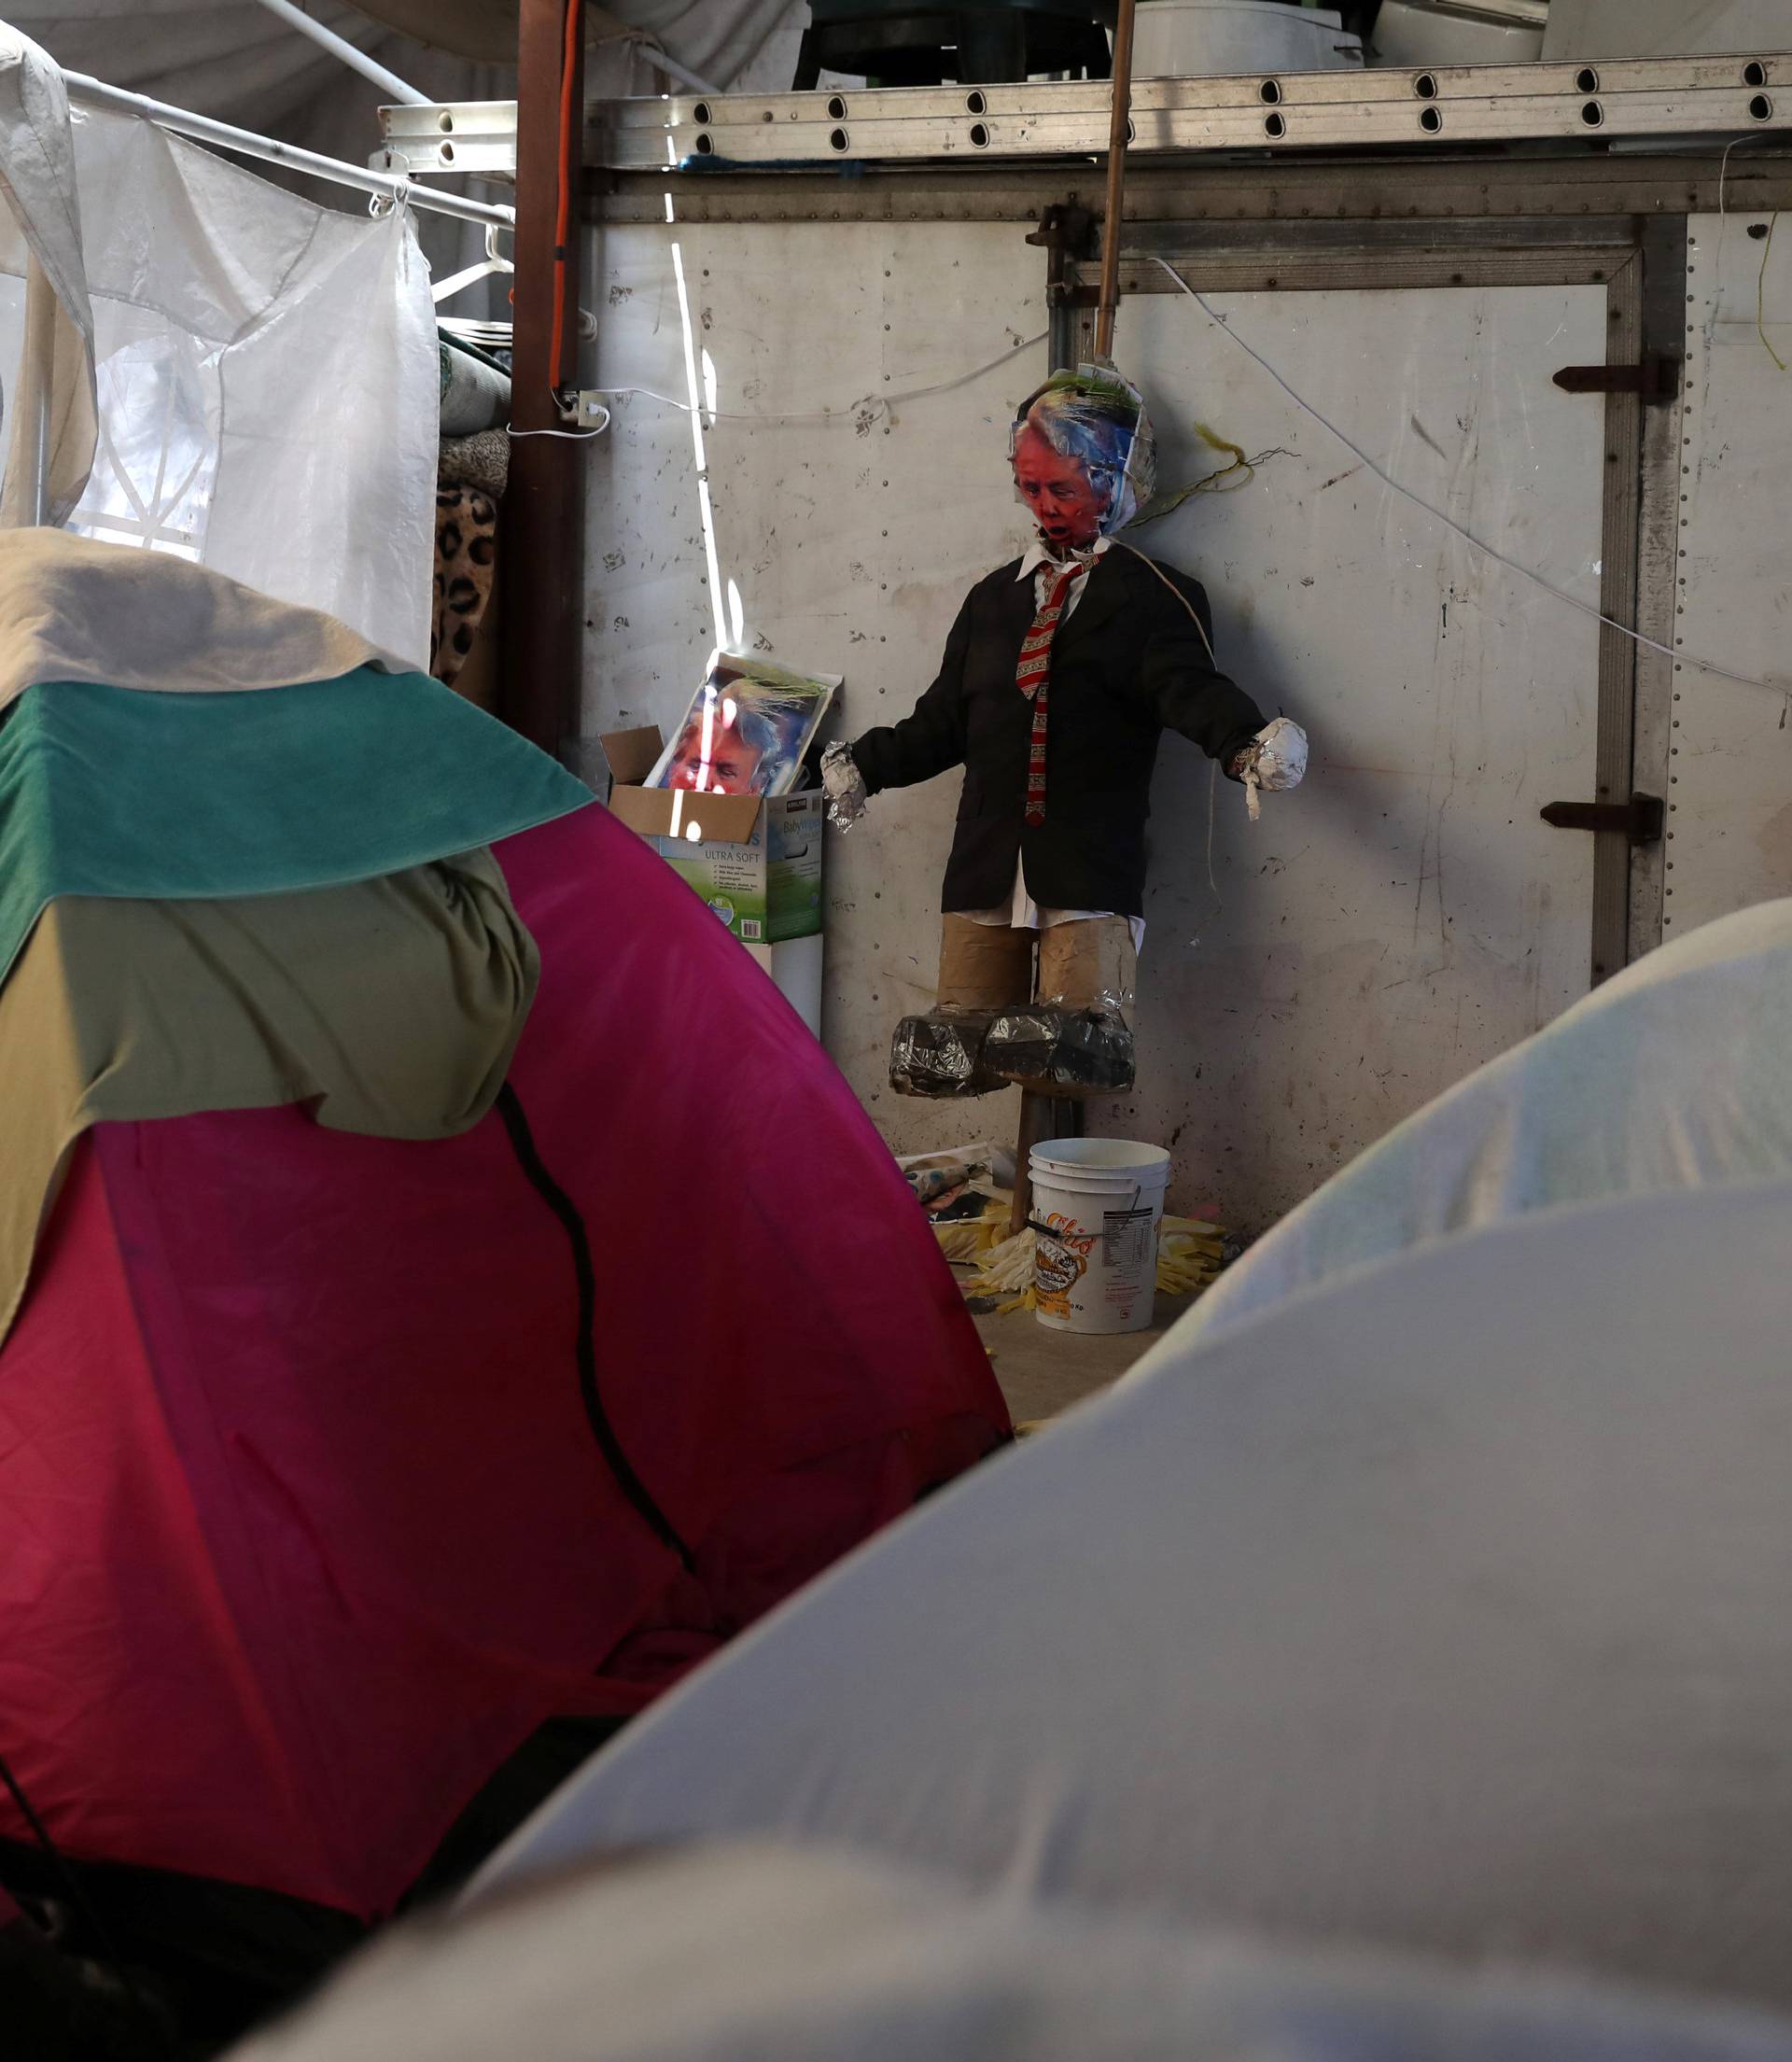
1033, 677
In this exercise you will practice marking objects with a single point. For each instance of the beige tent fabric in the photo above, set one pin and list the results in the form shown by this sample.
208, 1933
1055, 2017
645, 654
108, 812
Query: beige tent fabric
391, 1007
72, 608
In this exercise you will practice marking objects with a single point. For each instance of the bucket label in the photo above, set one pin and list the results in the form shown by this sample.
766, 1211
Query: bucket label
1125, 1238
1060, 1260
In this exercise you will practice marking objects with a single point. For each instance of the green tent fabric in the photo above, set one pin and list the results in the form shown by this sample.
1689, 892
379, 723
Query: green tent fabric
389, 1007
110, 792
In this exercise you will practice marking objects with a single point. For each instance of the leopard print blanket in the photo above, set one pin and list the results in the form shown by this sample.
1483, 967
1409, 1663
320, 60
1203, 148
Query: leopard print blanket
466, 558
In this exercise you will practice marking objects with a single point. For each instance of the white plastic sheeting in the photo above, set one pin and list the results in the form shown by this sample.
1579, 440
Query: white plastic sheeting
724, 40
231, 59
267, 379
740, 1955
237, 61
1442, 1607
37, 177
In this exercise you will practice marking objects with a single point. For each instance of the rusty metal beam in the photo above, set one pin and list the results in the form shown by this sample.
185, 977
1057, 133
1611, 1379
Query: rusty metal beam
1467, 187
544, 506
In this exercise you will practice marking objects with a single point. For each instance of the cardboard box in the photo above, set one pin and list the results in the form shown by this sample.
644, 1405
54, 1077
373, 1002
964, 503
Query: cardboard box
756, 862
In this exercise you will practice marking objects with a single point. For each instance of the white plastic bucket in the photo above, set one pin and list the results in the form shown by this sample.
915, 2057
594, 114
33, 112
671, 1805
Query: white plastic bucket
1202, 38
1096, 1207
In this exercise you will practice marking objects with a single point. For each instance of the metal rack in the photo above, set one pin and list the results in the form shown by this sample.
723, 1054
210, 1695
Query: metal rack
459, 135
384, 185
1279, 113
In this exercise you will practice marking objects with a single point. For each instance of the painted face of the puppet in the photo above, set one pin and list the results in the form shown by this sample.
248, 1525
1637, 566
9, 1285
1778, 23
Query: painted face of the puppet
1064, 501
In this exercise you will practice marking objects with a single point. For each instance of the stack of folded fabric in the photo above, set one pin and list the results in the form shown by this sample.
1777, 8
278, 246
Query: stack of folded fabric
271, 887
362, 1411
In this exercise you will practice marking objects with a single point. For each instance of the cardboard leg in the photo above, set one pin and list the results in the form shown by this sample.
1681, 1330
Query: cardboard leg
1078, 962
983, 966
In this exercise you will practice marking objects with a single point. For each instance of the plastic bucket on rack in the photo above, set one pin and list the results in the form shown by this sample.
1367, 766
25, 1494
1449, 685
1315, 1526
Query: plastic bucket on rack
1096, 1207
1202, 39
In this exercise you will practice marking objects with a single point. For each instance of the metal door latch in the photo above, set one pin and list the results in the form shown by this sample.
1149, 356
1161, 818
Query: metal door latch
1640, 818
1066, 232
1656, 379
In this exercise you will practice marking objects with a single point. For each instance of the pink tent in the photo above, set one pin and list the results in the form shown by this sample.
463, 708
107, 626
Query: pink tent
319, 1495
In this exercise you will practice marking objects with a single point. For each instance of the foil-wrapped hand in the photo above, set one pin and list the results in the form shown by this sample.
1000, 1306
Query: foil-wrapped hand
1275, 759
845, 785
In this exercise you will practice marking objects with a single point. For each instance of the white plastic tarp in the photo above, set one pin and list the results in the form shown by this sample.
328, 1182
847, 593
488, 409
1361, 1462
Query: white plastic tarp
739, 1955
238, 61
39, 180
266, 374
1442, 1607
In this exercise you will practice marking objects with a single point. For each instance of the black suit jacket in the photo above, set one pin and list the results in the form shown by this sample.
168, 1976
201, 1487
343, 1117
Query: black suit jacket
1126, 665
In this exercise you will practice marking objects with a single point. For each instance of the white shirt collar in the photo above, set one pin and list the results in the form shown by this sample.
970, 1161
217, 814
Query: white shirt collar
1037, 555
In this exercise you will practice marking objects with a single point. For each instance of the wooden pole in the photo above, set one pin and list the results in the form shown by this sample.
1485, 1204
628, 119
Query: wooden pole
1119, 124
1036, 1114
1043, 1117
543, 530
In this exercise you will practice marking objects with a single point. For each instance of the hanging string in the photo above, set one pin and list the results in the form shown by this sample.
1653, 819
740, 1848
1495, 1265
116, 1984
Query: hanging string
1218, 909
1437, 515
1761, 293
850, 412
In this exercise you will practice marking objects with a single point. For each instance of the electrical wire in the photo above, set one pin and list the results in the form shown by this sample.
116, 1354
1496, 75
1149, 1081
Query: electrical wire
1722, 168
1761, 293
1735, 143
1192, 614
877, 404
1680, 657
563, 194
1218, 909
1760, 277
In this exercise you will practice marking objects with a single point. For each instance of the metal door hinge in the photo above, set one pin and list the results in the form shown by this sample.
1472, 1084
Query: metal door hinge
1640, 818
1066, 232
1657, 379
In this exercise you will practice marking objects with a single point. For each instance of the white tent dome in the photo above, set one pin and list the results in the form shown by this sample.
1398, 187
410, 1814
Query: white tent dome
1442, 1607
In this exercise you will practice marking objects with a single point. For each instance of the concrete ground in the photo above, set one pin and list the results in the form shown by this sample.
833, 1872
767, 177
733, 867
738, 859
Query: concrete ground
1043, 1373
